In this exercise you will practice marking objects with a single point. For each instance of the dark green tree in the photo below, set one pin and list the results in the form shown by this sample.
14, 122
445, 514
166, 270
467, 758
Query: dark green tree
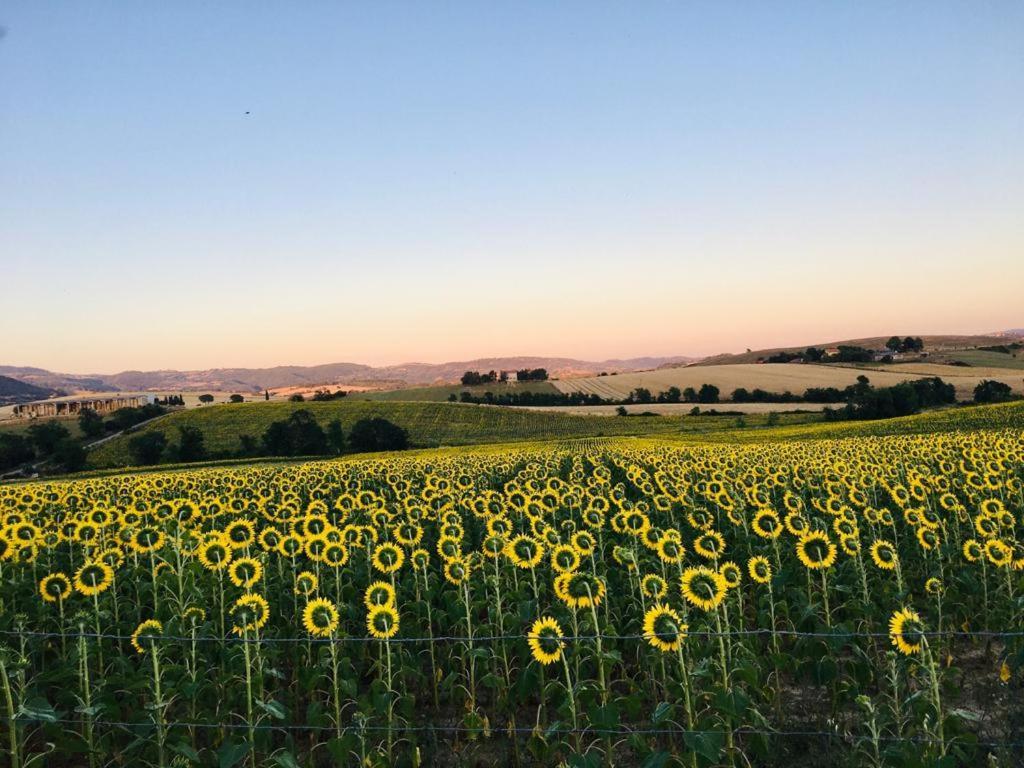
989, 391
69, 455
46, 434
377, 435
90, 422
15, 450
147, 448
336, 436
708, 394
191, 443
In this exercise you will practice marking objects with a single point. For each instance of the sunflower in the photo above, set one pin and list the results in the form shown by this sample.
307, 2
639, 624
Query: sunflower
998, 552
525, 552
545, 640
146, 631
377, 594
580, 589
709, 545
972, 550
883, 553
906, 631
420, 559
336, 554
215, 554
767, 524
194, 615
55, 587
457, 571
816, 551
584, 543
664, 629
731, 573
934, 586
564, 558
245, 572
653, 586
240, 534
94, 578
760, 569
670, 550
382, 621
320, 618
249, 613
145, 540
703, 587
928, 538
388, 557
306, 583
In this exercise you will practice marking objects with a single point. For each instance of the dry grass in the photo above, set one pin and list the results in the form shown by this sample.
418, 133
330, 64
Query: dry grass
679, 408
780, 377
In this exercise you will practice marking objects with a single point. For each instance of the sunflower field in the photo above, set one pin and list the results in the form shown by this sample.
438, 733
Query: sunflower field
851, 602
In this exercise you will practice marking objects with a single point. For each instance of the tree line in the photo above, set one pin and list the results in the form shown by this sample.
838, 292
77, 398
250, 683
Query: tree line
477, 378
297, 435
50, 441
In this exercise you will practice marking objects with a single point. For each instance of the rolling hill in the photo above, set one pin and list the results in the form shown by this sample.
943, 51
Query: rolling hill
428, 424
933, 343
331, 374
13, 391
779, 377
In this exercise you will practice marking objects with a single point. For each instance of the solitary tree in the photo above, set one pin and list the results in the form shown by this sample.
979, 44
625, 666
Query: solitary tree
336, 436
989, 391
46, 434
147, 448
206, 398
90, 422
236, 399
708, 394
377, 435
69, 455
191, 443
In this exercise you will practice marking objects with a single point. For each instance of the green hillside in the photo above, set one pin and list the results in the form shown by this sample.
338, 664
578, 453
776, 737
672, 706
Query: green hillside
440, 393
428, 424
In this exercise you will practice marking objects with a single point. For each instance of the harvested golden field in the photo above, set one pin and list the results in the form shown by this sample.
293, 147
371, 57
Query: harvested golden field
678, 408
779, 377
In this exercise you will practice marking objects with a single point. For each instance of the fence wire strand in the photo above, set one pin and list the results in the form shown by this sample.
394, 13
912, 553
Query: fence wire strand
698, 634
555, 729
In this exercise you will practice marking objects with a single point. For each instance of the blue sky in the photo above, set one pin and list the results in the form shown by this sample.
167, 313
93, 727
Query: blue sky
443, 181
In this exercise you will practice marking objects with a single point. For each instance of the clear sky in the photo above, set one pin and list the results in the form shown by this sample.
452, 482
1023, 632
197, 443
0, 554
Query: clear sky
191, 185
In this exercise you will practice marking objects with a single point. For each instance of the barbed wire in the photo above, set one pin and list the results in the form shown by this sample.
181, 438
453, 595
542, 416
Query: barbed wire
700, 634
554, 729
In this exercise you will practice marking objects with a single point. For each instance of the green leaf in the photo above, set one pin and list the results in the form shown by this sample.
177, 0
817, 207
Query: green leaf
553, 729
591, 760
230, 753
707, 744
605, 718
286, 760
655, 760
273, 708
964, 714
186, 751
37, 708
662, 711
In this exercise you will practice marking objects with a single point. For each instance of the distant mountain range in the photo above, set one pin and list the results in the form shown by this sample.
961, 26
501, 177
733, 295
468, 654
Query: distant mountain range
331, 374
932, 343
13, 391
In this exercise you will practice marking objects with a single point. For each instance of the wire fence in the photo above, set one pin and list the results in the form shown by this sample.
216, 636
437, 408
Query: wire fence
699, 634
555, 729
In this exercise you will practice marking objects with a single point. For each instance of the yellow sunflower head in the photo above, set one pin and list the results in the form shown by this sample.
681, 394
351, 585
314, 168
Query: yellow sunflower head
545, 640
